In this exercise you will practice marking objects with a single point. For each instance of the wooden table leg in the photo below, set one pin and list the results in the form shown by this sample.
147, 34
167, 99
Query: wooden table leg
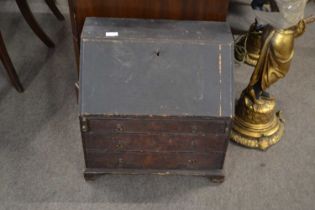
52, 5
7, 63
75, 33
28, 15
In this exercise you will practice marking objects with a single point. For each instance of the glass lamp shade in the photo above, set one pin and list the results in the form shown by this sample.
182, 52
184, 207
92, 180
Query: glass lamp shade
290, 13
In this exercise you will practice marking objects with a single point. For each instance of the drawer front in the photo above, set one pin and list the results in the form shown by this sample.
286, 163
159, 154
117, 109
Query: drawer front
154, 142
116, 142
158, 125
154, 160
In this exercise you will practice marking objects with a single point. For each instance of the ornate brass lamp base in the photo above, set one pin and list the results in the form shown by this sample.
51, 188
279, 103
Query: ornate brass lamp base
256, 124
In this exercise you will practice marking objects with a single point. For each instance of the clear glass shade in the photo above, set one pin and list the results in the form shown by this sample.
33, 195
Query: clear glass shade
291, 12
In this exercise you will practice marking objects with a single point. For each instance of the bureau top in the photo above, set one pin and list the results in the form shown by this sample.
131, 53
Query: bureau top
156, 67
197, 31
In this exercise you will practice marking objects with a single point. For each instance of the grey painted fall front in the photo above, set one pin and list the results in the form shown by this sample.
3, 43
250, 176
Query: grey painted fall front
156, 67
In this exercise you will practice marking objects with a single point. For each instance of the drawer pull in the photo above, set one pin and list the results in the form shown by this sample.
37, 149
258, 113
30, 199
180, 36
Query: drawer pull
192, 162
119, 146
194, 129
120, 162
119, 128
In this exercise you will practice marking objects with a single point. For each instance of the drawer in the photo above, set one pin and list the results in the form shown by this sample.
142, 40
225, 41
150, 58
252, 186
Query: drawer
114, 142
154, 160
145, 124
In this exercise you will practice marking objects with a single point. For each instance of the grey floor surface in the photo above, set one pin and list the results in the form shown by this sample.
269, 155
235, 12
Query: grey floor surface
41, 158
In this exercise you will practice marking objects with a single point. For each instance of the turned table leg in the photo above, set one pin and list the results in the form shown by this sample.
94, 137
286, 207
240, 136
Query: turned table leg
28, 15
52, 5
7, 63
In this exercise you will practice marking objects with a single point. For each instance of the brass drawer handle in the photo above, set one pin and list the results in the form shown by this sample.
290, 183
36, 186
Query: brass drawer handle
192, 162
193, 143
119, 128
120, 162
194, 129
119, 146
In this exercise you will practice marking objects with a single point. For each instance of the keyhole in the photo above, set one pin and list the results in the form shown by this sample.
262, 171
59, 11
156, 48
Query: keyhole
157, 53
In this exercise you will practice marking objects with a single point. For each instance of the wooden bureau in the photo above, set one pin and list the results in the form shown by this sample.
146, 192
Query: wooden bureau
156, 96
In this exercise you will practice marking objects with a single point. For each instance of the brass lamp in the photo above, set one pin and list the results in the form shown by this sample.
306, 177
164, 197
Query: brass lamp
257, 124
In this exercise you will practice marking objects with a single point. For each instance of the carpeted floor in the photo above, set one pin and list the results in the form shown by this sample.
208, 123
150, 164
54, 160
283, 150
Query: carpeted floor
41, 158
